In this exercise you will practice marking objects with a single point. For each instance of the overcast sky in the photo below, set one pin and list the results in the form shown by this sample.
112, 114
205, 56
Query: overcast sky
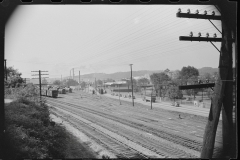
106, 38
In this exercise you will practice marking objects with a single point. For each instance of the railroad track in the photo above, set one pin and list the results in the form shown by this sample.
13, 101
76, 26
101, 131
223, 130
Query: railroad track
164, 149
112, 145
140, 116
115, 101
163, 134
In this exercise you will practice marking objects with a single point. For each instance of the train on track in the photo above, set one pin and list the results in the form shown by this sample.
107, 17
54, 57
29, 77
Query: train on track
67, 89
53, 91
61, 91
50, 92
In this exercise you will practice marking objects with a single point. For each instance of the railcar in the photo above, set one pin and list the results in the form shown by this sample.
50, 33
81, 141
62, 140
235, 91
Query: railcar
52, 93
66, 89
61, 91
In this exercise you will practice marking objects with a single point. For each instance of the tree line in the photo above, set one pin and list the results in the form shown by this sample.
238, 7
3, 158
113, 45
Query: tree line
165, 83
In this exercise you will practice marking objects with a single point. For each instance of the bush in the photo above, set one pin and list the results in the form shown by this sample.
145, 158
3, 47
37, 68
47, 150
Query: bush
29, 133
28, 92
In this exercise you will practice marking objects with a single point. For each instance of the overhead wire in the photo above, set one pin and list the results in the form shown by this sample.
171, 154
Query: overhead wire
112, 28
130, 39
159, 43
110, 32
151, 55
124, 42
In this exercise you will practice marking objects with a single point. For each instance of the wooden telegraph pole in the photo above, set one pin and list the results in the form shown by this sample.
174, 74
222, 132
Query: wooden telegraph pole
79, 80
132, 84
151, 97
40, 84
119, 94
223, 88
73, 73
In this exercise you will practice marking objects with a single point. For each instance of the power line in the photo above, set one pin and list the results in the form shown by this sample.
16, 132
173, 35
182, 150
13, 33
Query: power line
88, 60
105, 38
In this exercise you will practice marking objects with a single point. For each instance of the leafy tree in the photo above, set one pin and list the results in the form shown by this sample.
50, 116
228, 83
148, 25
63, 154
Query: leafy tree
188, 72
83, 84
215, 75
160, 82
210, 77
13, 77
176, 74
143, 81
99, 82
166, 70
174, 93
57, 82
130, 84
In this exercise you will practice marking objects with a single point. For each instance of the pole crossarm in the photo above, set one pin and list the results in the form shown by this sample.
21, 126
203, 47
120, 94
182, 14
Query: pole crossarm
198, 16
187, 38
195, 86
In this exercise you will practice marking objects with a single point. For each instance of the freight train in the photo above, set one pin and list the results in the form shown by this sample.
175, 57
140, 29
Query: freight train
50, 92
61, 91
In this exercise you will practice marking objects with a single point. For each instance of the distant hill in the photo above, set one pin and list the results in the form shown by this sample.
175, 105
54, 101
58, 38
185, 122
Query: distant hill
207, 70
116, 76
119, 75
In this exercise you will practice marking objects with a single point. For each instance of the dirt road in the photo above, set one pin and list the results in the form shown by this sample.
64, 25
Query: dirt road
133, 132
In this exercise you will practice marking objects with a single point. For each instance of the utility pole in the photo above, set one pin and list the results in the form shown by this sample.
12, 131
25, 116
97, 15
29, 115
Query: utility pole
132, 83
223, 90
79, 80
61, 78
151, 97
95, 83
119, 93
73, 73
40, 85
2, 111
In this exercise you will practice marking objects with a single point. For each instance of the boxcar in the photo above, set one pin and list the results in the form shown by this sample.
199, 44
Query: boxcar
66, 89
62, 91
52, 93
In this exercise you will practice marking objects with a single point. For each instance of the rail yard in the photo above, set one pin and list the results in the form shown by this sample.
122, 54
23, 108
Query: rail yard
128, 131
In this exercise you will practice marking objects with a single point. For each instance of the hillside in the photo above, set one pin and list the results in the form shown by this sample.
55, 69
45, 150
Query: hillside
115, 76
120, 75
207, 70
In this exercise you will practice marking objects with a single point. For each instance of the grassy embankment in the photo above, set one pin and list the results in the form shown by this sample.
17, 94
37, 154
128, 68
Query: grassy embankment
30, 132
